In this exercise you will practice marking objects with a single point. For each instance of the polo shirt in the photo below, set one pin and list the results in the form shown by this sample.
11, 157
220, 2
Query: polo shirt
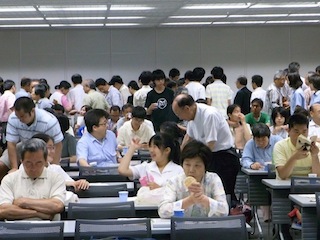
140, 96
314, 129
18, 184
102, 152
196, 90
95, 100
44, 122
114, 97
126, 133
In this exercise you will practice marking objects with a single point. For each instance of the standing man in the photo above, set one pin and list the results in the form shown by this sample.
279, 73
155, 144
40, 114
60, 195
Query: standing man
112, 94
207, 125
243, 95
76, 94
93, 98
117, 82
25, 88
23, 123
33, 191
258, 91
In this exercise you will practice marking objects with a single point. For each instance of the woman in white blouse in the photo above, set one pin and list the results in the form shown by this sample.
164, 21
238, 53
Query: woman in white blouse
204, 198
165, 154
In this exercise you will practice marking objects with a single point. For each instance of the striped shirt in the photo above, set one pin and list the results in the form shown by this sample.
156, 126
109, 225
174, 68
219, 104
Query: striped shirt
44, 122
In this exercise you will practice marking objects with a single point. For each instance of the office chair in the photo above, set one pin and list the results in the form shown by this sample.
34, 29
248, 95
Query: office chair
96, 229
102, 191
101, 210
31, 230
101, 174
208, 228
305, 185
318, 214
241, 186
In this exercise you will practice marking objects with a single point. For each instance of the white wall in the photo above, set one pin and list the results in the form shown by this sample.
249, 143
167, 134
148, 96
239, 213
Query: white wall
57, 54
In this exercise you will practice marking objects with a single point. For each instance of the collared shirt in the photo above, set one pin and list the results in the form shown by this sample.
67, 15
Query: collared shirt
18, 184
275, 95
95, 100
282, 133
149, 172
196, 90
219, 93
252, 153
43, 103
314, 129
6, 103
125, 93
56, 96
297, 99
76, 96
176, 191
283, 150
102, 152
22, 93
126, 133
209, 125
44, 122
114, 97
260, 93
315, 98
140, 96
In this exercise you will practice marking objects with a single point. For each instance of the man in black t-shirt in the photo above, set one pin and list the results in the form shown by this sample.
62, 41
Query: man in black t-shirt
159, 100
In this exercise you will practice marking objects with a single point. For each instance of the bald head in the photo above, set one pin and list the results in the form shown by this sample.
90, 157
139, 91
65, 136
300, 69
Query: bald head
184, 107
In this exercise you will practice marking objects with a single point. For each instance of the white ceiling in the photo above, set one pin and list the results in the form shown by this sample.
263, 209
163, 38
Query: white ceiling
159, 13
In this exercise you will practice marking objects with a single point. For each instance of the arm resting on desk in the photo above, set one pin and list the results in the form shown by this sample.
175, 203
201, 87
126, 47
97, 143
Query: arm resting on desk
13, 212
47, 206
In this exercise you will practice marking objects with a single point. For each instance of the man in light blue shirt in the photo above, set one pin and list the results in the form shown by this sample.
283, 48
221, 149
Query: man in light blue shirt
97, 147
258, 150
25, 88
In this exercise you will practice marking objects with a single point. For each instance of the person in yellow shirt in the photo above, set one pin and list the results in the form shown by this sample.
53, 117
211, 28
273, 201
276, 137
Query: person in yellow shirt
292, 161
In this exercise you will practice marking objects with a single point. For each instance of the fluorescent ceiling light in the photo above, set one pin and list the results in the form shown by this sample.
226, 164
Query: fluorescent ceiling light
186, 23
17, 9
25, 26
294, 21
121, 18
21, 19
285, 5
129, 8
75, 18
304, 15
73, 8
78, 25
200, 16
216, 6
258, 15
121, 24
239, 22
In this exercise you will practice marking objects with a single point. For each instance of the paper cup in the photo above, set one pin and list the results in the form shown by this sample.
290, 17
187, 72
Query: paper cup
123, 196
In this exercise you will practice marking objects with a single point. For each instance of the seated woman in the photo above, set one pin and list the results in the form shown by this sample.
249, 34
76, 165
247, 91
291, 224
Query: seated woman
279, 119
205, 197
165, 153
240, 130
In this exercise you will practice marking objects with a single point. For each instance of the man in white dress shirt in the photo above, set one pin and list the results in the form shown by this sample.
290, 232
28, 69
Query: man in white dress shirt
195, 88
140, 96
258, 91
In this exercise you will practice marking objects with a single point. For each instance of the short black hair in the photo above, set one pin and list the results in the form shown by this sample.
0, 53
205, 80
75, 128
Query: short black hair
133, 84
282, 111
76, 78
63, 121
25, 82
195, 149
64, 84
172, 129
8, 84
298, 119
257, 100
92, 118
260, 130
115, 108
242, 80
158, 75
198, 74
126, 106
188, 75
24, 103
217, 72
116, 79
257, 79
100, 82
231, 108
139, 112
174, 72
145, 77
294, 80
314, 79
40, 90
58, 107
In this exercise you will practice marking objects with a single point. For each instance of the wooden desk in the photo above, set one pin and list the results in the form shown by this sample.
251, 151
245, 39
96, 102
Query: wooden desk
307, 202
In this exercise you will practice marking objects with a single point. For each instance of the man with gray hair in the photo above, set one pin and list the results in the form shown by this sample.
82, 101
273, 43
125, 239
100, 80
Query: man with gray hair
33, 192
92, 97
278, 93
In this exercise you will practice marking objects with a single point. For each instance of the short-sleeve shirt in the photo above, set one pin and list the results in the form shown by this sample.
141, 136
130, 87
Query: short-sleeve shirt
209, 125
18, 184
149, 172
283, 150
44, 122
102, 152
264, 118
69, 145
175, 192
6, 103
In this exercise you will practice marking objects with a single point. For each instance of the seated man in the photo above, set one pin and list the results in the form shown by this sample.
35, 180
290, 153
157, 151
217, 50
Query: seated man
32, 192
290, 161
258, 151
256, 116
98, 146
135, 128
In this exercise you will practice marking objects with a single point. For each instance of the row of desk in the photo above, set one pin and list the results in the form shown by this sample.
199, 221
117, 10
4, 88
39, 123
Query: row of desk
258, 188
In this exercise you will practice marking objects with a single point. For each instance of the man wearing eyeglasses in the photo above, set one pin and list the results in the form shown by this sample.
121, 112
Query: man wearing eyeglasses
97, 147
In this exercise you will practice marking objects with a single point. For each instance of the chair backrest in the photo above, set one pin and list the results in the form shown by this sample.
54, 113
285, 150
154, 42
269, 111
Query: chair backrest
94, 229
207, 228
101, 174
271, 168
101, 210
305, 185
102, 191
241, 186
318, 214
31, 231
